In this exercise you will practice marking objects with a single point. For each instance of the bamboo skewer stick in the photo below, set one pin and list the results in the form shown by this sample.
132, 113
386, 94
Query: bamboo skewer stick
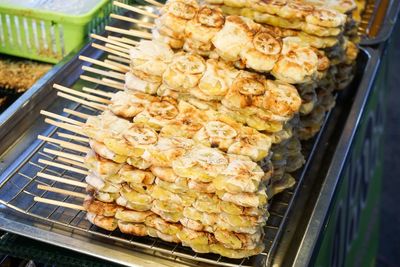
111, 41
118, 64
96, 92
78, 139
61, 180
76, 113
82, 101
123, 60
135, 9
65, 144
61, 191
134, 33
64, 167
74, 137
140, 23
61, 118
72, 162
77, 93
109, 50
112, 74
58, 203
154, 3
64, 155
112, 84
85, 95
103, 64
117, 48
66, 126
123, 40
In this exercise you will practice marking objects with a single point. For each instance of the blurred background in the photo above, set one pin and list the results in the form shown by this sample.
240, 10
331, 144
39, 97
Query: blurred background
389, 240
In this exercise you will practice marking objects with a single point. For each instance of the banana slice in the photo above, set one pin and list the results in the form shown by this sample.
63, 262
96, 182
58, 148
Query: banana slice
232, 38
233, 240
192, 213
215, 81
132, 216
105, 125
204, 26
167, 211
244, 87
241, 175
236, 253
158, 114
132, 175
201, 187
179, 186
101, 166
106, 153
166, 227
168, 238
100, 208
216, 134
281, 99
193, 238
136, 229
241, 220
245, 199
209, 203
135, 197
189, 120
132, 206
184, 72
256, 146
286, 182
263, 52
108, 223
192, 224
167, 150
122, 147
200, 164
298, 63
171, 26
172, 42
139, 163
181, 9
326, 18
102, 185
164, 195
151, 57
140, 136
134, 83
128, 104
165, 174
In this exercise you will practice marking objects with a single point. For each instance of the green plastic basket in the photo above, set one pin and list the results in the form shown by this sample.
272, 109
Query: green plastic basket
49, 36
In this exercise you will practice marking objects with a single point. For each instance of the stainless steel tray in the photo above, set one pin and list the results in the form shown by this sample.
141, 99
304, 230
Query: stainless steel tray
378, 21
67, 228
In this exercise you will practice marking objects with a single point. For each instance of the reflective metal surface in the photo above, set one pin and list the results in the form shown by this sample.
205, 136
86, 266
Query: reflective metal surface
378, 21
20, 152
315, 222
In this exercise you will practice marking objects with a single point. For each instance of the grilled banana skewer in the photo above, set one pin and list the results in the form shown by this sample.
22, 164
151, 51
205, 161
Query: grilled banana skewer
205, 31
142, 223
213, 84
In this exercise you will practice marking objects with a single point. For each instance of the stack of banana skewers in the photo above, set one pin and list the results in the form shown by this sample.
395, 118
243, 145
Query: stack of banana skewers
325, 25
205, 125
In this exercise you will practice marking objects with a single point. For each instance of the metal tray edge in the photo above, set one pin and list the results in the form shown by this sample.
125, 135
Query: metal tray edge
318, 216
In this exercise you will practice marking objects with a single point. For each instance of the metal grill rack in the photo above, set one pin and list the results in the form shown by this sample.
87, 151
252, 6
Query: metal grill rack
20, 188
